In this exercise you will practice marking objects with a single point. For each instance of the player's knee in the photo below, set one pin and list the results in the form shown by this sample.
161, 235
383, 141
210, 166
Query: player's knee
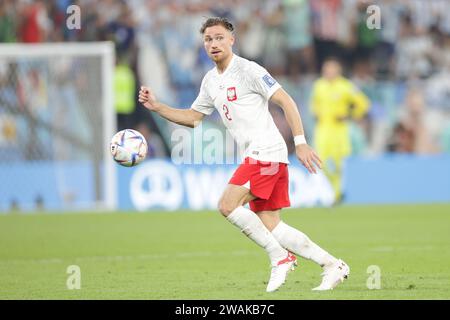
225, 208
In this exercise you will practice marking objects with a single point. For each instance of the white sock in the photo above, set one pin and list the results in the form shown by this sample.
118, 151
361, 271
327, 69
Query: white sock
249, 223
299, 243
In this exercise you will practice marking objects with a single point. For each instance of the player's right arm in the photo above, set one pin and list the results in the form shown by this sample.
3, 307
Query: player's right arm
185, 117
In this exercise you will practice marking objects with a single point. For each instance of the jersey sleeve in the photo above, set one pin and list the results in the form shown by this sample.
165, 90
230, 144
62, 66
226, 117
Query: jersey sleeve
262, 82
359, 100
203, 103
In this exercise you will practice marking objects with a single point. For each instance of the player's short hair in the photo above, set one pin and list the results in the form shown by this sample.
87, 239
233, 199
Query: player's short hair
217, 21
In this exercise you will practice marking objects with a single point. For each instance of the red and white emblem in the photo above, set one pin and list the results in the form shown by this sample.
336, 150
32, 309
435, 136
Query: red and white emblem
231, 94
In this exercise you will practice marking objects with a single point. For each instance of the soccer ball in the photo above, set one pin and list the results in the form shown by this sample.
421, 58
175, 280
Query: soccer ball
128, 147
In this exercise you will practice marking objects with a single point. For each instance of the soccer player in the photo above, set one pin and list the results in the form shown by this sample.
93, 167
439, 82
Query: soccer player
239, 90
335, 101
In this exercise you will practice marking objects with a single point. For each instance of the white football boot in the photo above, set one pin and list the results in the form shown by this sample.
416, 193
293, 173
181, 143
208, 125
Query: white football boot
279, 272
333, 275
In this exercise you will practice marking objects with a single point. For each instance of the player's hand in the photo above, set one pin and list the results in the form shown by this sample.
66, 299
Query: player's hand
343, 118
308, 157
147, 98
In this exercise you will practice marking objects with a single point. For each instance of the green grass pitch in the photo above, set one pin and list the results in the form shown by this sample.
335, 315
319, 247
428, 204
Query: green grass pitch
199, 255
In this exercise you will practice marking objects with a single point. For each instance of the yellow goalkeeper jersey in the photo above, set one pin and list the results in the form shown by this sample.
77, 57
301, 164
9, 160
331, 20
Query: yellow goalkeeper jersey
337, 99
332, 103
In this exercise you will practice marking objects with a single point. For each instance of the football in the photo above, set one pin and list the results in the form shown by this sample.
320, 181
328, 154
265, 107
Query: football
128, 147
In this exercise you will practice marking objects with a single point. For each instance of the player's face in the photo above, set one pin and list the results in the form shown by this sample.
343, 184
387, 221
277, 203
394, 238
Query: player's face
331, 70
218, 43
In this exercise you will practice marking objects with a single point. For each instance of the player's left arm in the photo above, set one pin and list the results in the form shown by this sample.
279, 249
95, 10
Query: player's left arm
307, 156
360, 103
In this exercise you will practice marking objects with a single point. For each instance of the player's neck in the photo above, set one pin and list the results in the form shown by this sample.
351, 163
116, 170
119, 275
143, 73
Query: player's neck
332, 79
222, 65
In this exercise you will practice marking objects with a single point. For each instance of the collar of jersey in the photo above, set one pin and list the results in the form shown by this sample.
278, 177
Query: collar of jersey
233, 58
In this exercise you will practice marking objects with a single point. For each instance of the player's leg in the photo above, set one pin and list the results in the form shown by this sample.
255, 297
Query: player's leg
335, 270
231, 206
233, 197
333, 168
335, 150
249, 184
270, 218
296, 241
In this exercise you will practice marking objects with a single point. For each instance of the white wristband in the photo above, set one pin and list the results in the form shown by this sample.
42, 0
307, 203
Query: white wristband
300, 139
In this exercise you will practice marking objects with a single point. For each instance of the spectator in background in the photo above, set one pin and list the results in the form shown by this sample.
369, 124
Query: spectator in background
92, 28
335, 101
34, 22
180, 38
414, 49
7, 23
325, 27
251, 31
426, 13
437, 87
384, 53
222, 8
299, 46
414, 42
273, 58
121, 31
367, 39
109, 10
414, 116
124, 94
440, 57
57, 14
346, 32
402, 139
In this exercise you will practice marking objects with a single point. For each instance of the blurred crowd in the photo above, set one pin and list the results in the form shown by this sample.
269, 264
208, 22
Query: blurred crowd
403, 67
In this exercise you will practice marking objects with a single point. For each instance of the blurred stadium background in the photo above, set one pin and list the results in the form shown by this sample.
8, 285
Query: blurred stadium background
58, 109
64, 93
55, 121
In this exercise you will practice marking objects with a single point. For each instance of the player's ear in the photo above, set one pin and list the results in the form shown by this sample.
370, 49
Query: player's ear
232, 39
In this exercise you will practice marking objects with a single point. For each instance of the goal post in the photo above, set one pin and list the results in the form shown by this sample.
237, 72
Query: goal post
56, 120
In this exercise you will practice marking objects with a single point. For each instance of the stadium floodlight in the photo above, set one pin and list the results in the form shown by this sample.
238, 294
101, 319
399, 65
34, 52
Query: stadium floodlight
57, 117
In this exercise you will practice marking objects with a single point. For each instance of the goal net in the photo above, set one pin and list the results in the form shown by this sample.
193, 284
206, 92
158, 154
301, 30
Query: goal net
56, 120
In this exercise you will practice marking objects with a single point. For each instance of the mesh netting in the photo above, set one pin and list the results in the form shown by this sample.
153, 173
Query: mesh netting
51, 131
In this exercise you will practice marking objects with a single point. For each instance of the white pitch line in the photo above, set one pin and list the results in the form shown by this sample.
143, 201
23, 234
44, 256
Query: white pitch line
403, 248
180, 255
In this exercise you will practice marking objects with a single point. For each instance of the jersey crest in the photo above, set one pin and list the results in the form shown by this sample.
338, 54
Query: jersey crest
231, 94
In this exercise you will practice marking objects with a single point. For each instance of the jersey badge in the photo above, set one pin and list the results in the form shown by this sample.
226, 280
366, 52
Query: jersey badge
231, 94
269, 80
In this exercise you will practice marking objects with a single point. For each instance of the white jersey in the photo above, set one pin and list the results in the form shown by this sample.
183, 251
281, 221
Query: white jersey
241, 95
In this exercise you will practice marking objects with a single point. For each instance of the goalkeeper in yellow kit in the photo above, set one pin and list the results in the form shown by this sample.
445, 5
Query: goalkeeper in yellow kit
335, 101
